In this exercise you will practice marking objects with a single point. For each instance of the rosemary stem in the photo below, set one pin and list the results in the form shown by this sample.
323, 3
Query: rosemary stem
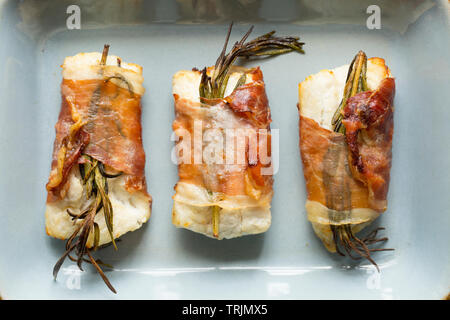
215, 220
104, 54
356, 82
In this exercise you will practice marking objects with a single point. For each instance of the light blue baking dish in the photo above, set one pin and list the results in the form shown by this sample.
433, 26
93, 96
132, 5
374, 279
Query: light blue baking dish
287, 262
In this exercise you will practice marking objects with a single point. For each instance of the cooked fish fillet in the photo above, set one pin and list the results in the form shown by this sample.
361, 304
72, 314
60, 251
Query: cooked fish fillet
319, 96
244, 209
130, 202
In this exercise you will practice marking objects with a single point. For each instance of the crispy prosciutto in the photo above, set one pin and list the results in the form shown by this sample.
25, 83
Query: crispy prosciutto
346, 129
369, 124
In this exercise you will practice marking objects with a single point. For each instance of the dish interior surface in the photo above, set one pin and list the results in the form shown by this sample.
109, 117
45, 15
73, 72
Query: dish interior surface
159, 261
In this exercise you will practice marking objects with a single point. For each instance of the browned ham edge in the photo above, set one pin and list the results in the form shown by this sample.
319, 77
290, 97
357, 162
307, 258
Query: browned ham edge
369, 123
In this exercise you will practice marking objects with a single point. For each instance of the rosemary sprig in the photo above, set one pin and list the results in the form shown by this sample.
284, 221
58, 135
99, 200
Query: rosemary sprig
96, 186
104, 54
343, 235
356, 82
94, 179
214, 86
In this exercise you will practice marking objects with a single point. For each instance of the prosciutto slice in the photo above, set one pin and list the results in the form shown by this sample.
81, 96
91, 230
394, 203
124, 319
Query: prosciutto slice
369, 123
110, 132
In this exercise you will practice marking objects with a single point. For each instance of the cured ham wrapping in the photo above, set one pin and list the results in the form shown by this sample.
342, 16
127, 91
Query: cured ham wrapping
369, 124
346, 174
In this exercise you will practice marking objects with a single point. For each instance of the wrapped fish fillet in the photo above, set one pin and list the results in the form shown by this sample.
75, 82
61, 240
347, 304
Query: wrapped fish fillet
214, 196
346, 128
96, 189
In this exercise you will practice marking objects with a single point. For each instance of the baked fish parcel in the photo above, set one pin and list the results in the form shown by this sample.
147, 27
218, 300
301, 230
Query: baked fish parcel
214, 196
346, 128
240, 193
97, 190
